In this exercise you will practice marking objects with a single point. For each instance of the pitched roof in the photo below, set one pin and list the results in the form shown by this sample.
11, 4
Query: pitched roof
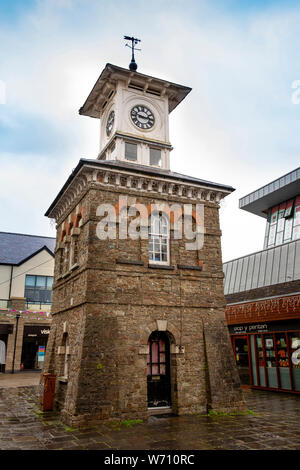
15, 248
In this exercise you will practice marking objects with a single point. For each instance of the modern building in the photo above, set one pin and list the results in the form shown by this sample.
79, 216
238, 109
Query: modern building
138, 319
26, 277
262, 291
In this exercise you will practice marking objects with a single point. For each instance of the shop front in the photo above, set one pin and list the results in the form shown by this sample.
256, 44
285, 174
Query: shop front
35, 339
267, 348
268, 355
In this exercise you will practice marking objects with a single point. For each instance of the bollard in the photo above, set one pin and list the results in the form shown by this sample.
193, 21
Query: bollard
47, 391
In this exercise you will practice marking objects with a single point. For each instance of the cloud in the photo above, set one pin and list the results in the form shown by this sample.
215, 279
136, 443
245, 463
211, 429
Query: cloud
238, 126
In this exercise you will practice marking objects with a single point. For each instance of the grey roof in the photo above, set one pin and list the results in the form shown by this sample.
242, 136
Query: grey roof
286, 187
263, 268
159, 172
100, 94
15, 248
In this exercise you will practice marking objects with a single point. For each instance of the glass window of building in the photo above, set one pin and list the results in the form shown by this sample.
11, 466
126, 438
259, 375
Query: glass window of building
159, 239
274, 360
131, 151
38, 289
155, 157
284, 223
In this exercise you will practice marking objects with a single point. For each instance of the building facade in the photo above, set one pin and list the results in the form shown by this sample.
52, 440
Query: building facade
26, 277
138, 319
263, 292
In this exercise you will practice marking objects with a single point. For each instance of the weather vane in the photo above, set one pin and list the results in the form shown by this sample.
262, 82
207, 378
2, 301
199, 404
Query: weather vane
134, 42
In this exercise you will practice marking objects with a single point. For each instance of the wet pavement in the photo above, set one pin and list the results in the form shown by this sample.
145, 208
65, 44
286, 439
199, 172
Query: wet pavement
272, 423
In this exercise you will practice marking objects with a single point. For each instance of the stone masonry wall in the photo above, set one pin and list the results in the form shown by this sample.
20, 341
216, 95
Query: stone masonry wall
111, 301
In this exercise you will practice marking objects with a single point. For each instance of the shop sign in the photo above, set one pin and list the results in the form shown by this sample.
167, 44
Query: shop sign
244, 329
36, 331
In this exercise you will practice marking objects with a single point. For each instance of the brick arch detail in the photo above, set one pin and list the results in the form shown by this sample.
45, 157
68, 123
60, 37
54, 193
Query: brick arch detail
152, 326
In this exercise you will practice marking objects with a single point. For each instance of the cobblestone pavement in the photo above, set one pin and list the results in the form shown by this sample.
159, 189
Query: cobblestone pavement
273, 422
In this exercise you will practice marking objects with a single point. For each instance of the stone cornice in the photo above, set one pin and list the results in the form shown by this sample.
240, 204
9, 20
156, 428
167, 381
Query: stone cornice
104, 176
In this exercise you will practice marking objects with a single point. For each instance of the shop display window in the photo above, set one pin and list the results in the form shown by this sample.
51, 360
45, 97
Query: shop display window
270, 354
261, 361
283, 361
294, 339
274, 359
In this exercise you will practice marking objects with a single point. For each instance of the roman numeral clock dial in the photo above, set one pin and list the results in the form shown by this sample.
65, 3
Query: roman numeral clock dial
110, 123
142, 117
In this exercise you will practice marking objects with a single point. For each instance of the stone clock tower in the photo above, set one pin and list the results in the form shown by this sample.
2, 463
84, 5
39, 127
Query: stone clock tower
138, 322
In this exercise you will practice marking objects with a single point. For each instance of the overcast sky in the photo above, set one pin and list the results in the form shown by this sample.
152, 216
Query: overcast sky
239, 125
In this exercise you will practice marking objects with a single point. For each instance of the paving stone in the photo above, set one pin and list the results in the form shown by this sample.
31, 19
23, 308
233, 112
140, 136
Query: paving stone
276, 427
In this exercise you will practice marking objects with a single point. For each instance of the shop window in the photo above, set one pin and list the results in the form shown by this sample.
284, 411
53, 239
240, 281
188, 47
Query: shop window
294, 339
159, 239
261, 361
131, 152
270, 357
283, 361
38, 289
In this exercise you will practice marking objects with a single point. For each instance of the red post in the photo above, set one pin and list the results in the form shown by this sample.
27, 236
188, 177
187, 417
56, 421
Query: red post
47, 391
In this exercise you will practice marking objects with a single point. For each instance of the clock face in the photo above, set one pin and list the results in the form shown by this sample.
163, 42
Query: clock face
142, 117
110, 123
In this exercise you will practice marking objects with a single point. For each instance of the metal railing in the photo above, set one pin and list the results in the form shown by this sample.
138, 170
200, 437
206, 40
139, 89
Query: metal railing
38, 305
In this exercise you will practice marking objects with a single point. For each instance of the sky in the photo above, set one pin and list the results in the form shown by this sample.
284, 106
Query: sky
239, 126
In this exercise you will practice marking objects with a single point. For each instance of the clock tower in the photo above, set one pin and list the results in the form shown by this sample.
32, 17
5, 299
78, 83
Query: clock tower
138, 321
133, 109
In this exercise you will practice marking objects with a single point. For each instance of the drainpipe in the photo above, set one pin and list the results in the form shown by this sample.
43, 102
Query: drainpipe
10, 282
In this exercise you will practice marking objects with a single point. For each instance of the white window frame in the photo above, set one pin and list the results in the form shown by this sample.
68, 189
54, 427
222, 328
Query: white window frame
158, 236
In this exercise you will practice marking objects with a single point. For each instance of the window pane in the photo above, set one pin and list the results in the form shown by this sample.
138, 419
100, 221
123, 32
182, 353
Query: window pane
297, 216
162, 357
155, 157
154, 352
41, 281
130, 151
295, 356
271, 361
283, 361
30, 281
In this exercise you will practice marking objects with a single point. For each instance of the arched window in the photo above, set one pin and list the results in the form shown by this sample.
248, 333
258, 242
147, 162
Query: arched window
159, 239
